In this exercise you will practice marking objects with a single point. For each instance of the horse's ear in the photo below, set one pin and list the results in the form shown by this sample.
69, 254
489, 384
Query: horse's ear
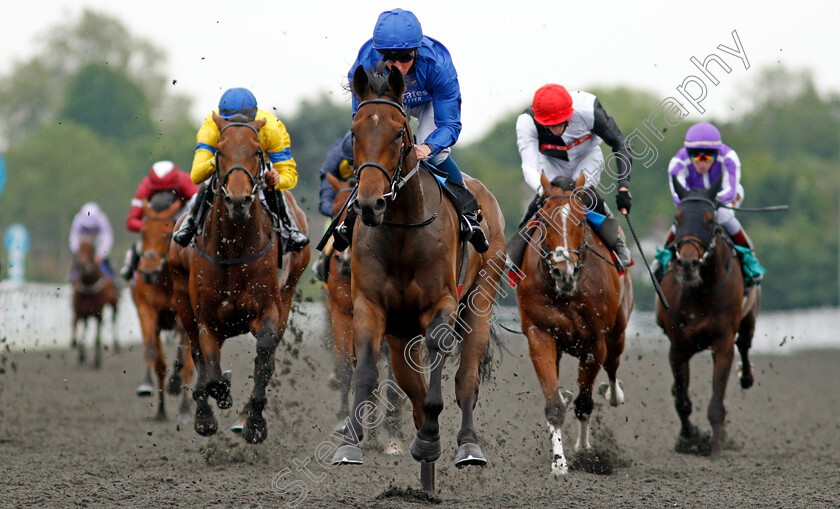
712, 192
258, 124
361, 83
581, 180
545, 183
678, 188
220, 122
175, 207
334, 182
396, 84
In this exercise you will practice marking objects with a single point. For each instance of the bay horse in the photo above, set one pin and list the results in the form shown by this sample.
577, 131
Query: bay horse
227, 283
708, 307
340, 308
406, 258
572, 300
154, 299
92, 291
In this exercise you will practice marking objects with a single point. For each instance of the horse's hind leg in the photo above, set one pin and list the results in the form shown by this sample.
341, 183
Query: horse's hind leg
255, 429
613, 391
723, 352
588, 369
97, 354
546, 358
159, 361
342, 326
81, 342
114, 329
393, 414
187, 370
744, 343
680, 368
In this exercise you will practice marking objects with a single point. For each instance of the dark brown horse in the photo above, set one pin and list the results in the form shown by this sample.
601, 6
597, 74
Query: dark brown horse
705, 289
406, 259
572, 300
227, 283
92, 291
340, 307
154, 299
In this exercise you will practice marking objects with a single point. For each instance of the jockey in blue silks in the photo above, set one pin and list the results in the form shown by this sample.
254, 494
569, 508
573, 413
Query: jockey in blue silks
432, 96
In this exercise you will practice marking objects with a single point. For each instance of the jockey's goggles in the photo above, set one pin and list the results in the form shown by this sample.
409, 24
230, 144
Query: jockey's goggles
702, 156
398, 56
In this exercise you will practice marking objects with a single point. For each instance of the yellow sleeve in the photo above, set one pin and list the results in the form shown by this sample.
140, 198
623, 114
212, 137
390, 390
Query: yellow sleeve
276, 144
205, 151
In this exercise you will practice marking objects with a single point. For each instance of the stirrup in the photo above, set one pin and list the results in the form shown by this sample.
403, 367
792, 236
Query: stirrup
475, 235
341, 237
297, 240
185, 234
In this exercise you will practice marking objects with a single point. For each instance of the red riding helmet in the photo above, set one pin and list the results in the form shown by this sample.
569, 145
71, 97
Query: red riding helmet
163, 175
552, 105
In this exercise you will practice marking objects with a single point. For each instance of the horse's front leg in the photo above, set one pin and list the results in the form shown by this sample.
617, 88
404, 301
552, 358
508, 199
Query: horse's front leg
217, 386
205, 422
722, 352
368, 330
97, 353
679, 367
440, 339
255, 428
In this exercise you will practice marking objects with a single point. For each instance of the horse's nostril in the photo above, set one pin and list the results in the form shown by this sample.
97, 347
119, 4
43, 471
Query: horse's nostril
228, 200
379, 205
357, 208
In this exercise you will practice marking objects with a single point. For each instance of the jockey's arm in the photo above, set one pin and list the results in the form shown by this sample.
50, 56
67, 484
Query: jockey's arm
529, 152
606, 129
206, 139
276, 143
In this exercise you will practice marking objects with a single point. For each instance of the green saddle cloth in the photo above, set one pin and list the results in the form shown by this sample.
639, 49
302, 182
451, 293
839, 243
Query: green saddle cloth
749, 263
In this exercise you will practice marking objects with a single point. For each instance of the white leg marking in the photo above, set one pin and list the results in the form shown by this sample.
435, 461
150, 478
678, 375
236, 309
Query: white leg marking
558, 465
582, 441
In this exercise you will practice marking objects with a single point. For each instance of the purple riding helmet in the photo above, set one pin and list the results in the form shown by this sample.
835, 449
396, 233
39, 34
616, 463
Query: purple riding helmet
703, 136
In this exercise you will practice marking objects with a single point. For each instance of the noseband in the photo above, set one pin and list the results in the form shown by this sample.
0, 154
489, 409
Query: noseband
221, 181
395, 181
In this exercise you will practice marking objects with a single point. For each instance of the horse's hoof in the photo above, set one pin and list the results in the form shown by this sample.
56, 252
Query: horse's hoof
173, 385
227, 375
255, 430
347, 455
421, 450
341, 427
160, 417
603, 388
567, 397
220, 391
333, 382
238, 425
145, 390
746, 380
206, 426
470, 454
393, 449
185, 418
225, 403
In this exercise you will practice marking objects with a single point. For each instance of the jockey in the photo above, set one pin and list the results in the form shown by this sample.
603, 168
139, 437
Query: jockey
698, 164
163, 175
433, 96
560, 134
240, 105
91, 221
339, 163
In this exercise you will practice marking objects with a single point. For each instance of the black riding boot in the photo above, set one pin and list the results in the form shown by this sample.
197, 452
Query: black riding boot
186, 232
132, 258
470, 213
343, 234
517, 244
297, 239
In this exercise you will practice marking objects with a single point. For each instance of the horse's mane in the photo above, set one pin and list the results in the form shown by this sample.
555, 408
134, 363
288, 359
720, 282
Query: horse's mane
162, 200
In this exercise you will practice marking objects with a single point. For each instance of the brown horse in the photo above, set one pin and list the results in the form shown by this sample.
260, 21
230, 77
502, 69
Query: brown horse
341, 315
708, 307
154, 299
92, 291
572, 300
227, 283
406, 259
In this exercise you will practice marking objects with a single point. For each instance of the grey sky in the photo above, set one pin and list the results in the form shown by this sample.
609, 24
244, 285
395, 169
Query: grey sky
503, 51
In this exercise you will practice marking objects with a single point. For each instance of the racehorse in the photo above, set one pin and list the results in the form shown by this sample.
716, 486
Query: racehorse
572, 300
154, 299
226, 284
705, 290
341, 316
405, 261
92, 291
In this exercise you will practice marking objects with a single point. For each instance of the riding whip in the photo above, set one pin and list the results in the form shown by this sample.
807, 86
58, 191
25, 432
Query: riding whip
652, 278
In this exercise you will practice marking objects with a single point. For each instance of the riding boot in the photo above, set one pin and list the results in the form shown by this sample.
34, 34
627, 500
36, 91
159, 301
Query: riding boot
194, 217
132, 258
470, 213
297, 239
740, 238
622, 253
343, 234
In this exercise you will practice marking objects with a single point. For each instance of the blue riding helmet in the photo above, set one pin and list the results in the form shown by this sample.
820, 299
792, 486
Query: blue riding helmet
237, 100
397, 29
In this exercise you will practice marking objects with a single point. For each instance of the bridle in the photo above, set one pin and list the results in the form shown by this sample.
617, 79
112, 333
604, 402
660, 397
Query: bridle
396, 180
220, 187
699, 244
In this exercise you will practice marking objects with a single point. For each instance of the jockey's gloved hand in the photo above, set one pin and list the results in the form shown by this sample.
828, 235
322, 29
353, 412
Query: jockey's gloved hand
623, 200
